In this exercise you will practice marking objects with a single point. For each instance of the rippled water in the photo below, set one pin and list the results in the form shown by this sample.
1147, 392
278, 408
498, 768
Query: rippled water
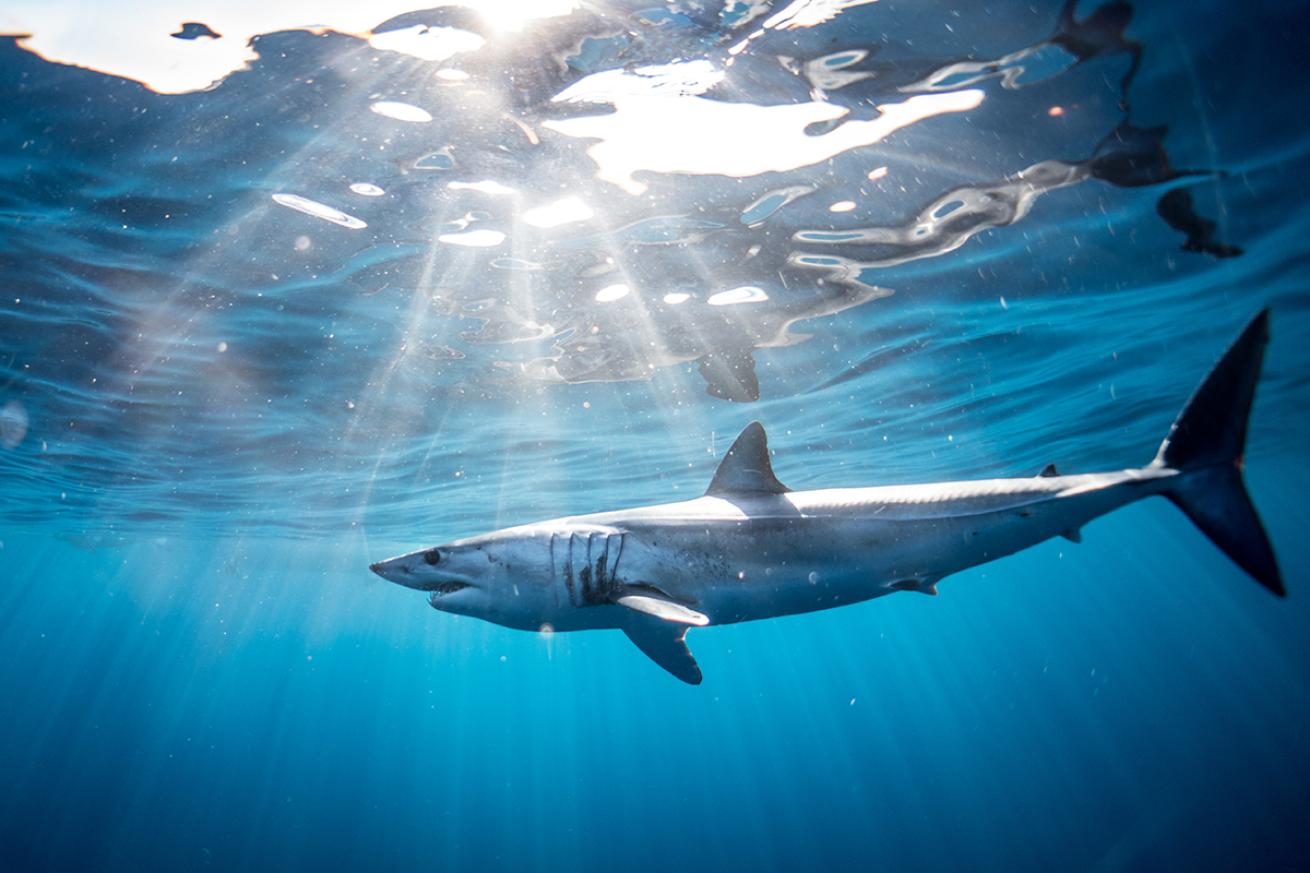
402, 280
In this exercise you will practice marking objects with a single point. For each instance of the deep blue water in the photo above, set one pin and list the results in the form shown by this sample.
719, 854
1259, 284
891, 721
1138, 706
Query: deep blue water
216, 409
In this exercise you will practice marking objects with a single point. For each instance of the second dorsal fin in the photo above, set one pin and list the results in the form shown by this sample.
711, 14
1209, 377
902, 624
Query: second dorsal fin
1048, 472
745, 469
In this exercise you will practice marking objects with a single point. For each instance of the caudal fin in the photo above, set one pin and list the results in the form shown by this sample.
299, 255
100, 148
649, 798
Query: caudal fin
1206, 445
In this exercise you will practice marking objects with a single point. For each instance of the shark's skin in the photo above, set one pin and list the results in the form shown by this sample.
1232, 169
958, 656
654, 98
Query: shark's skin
757, 556
751, 549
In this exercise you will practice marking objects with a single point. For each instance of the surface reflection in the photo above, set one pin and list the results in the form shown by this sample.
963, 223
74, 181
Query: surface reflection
621, 163
374, 222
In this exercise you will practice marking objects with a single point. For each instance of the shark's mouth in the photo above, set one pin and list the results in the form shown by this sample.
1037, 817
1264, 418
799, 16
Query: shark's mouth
445, 588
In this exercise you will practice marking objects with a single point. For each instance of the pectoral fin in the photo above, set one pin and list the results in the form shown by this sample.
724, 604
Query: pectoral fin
666, 645
662, 608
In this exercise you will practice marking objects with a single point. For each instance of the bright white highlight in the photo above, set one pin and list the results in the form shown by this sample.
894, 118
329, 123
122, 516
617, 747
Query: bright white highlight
133, 40
688, 134
667, 80
565, 211
487, 186
481, 239
733, 296
318, 210
610, 293
808, 13
401, 111
427, 43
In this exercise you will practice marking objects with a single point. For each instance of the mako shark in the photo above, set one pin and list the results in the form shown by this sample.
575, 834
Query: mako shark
752, 549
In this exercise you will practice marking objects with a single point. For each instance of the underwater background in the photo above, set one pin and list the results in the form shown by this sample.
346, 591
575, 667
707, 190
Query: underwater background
287, 291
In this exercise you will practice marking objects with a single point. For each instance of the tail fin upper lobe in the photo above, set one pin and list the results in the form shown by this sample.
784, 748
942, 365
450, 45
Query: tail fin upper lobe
1206, 445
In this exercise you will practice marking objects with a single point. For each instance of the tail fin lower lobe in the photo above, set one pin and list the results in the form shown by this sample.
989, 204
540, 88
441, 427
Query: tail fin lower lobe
1206, 444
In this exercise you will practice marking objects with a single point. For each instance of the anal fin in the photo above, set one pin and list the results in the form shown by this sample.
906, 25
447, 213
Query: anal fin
923, 586
666, 645
1073, 535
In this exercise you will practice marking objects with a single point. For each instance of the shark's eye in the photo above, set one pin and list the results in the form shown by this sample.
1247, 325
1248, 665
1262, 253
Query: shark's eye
432, 557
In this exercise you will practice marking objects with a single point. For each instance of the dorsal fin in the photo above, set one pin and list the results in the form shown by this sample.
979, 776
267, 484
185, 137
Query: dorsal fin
1048, 471
745, 469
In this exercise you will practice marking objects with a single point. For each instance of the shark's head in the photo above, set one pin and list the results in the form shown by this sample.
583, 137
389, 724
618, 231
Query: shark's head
503, 577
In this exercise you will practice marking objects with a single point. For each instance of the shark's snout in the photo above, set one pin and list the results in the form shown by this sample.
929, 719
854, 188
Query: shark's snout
418, 571
396, 570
